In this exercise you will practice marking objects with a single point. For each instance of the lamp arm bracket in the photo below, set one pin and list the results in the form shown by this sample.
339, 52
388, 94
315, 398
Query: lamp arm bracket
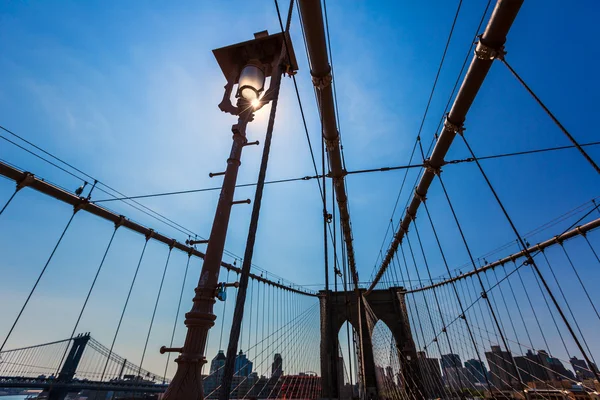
225, 105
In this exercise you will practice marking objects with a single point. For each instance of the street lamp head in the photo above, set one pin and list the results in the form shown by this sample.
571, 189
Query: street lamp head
249, 63
252, 81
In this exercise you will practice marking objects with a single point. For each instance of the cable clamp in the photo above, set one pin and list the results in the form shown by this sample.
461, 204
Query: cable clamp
411, 216
120, 222
444, 329
529, 261
462, 316
81, 205
431, 168
321, 82
451, 126
558, 240
289, 71
419, 196
487, 53
580, 231
150, 234
484, 295
25, 180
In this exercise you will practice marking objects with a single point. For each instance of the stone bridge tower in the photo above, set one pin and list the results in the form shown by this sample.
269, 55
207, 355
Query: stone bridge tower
388, 305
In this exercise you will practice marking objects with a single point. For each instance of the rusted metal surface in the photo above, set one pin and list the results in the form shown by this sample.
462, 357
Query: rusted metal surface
580, 230
494, 37
312, 20
69, 198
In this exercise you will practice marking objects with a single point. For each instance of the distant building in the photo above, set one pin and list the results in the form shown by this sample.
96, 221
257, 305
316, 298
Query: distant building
531, 368
451, 361
213, 380
217, 363
430, 370
502, 371
557, 370
243, 366
581, 369
476, 371
452, 369
456, 378
277, 366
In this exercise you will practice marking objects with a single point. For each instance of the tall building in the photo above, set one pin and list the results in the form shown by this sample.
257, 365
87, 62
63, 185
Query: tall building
451, 361
432, 375
581, 369
456, 378
502, 371
531, 368
213, 380
453, 371
242, 366
277, 366
557, 370
217, 363
476, 371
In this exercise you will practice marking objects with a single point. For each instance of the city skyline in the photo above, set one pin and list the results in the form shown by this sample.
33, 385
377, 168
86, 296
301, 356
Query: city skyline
449, 141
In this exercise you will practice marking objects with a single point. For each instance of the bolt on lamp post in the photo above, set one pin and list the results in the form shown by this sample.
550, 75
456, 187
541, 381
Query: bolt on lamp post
246, 64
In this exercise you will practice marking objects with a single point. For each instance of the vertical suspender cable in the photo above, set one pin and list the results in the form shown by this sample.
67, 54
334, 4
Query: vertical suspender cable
530, 259
117, 225
125, 305
75, 209
177, 315
162, 281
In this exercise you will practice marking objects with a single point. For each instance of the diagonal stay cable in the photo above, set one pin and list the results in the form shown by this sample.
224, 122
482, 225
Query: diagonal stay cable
551, 115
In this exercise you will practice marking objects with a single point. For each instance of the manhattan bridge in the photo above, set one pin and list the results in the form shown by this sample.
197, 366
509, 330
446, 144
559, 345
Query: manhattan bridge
519, 322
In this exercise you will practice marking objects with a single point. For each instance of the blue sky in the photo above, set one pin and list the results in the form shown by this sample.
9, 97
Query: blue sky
129, 93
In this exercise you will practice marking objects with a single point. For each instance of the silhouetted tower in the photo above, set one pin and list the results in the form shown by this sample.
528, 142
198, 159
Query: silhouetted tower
277, 366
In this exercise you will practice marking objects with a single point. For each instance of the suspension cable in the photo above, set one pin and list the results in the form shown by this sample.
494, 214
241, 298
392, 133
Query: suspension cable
177, 314
530, 259
75, 209
162, 281
125, 306
556, 121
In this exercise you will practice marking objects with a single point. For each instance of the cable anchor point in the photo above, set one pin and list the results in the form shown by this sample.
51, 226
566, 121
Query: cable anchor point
487, 53
453, 127
430, 168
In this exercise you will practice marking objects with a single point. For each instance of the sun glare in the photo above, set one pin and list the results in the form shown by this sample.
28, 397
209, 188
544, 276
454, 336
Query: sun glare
255, 103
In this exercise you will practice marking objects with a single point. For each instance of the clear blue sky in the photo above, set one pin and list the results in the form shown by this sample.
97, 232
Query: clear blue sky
128, 92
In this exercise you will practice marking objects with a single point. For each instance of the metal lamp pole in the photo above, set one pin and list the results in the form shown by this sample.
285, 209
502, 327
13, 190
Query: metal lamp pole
187, 382
247, 64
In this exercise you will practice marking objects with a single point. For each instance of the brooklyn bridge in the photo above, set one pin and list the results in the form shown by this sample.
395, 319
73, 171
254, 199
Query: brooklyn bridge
467, 271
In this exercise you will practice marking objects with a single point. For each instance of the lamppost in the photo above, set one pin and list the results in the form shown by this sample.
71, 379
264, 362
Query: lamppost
246, 64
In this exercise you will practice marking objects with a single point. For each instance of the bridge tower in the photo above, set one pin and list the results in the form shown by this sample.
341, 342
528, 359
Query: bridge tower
389, 306
69, 367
